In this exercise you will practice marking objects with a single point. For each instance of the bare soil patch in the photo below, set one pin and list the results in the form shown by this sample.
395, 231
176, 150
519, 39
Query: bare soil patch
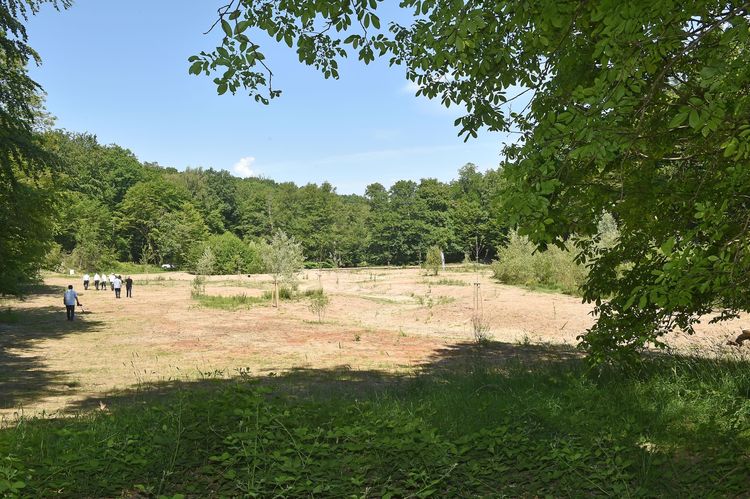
395, 321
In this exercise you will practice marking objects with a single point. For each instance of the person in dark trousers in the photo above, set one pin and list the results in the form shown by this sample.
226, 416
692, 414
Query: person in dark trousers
129, 287
96, 281
117, 285
70, 300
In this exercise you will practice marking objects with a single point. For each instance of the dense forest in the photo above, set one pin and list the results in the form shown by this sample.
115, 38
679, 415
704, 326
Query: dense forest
113, 207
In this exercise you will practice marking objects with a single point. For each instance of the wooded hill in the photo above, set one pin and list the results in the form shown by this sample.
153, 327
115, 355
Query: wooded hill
117, 208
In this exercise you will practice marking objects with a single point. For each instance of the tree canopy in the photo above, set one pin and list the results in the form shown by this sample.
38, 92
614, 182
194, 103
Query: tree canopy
27, 206
638, 109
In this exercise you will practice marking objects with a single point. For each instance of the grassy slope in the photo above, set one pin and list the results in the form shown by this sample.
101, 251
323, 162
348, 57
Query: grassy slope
680, 427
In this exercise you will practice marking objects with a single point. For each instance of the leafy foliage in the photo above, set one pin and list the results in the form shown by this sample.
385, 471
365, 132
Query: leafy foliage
434, 259
283, 258
319, 302
27, 190
519, 263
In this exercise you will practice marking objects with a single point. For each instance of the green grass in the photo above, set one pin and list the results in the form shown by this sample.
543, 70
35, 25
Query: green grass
678, 428
233, 302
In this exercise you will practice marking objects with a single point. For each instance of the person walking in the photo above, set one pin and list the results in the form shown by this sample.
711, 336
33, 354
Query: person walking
86, 280
103, 282
70, 299
117, 285
112, 281
97, 278
129, 287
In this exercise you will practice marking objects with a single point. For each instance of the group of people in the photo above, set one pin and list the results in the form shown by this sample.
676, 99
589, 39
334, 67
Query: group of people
115, 283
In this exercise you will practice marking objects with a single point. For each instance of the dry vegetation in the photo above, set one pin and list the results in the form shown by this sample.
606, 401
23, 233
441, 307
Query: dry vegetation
377, 320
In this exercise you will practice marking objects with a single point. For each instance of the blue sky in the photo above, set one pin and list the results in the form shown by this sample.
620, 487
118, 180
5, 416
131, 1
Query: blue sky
119, 70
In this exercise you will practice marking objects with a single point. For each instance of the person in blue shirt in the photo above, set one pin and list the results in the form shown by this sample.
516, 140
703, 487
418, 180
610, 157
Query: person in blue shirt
70, 300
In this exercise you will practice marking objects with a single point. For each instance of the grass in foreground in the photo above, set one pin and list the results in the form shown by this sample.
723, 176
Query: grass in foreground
679, 428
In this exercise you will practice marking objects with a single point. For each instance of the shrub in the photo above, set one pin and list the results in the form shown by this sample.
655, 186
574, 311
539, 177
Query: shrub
434, 260
319, 302
232, 255
519, 264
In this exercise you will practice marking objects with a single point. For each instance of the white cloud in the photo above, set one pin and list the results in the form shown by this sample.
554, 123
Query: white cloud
410, 87
243, 168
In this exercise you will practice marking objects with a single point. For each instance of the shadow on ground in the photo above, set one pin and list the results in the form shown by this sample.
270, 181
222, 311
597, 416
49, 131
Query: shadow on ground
24, 376
458, 359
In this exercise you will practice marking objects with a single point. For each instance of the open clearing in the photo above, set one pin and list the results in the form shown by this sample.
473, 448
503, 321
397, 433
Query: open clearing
396, 321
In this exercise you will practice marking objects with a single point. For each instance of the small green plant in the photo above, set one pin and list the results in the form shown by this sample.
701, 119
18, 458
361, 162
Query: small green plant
319, 302
481, 329
434, 260
204, 267
357, 337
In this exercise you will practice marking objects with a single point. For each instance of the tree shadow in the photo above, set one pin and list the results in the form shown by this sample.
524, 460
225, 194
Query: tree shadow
24, 376
40, 288
539, 397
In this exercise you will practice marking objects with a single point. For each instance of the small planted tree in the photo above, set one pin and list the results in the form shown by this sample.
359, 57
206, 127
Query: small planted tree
283, 259
205, 266
434, 260
319, 302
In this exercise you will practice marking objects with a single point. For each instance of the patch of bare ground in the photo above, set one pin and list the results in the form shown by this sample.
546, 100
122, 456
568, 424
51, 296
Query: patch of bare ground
379, 321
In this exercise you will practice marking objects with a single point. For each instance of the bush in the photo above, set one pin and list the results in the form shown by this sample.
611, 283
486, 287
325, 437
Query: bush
232, 255
519, 264
434, 260
319, 302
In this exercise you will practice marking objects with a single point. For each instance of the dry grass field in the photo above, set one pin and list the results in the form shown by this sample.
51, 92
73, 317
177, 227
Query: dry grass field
395, 321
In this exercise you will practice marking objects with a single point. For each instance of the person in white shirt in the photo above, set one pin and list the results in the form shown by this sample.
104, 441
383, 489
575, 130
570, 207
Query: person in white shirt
111, 282
117, 285
86, 282
97, 278
103, 282
70, 300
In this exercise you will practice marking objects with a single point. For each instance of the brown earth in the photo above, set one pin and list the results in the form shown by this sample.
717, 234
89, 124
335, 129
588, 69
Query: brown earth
394, 321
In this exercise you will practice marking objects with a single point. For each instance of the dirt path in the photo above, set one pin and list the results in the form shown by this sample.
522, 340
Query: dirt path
378, 320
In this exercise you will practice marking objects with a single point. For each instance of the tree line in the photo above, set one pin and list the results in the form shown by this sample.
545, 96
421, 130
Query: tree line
114, 208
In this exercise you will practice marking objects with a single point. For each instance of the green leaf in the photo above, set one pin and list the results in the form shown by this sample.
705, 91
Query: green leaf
666, 248
695, 119
226, 27
678, 120
196, 68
